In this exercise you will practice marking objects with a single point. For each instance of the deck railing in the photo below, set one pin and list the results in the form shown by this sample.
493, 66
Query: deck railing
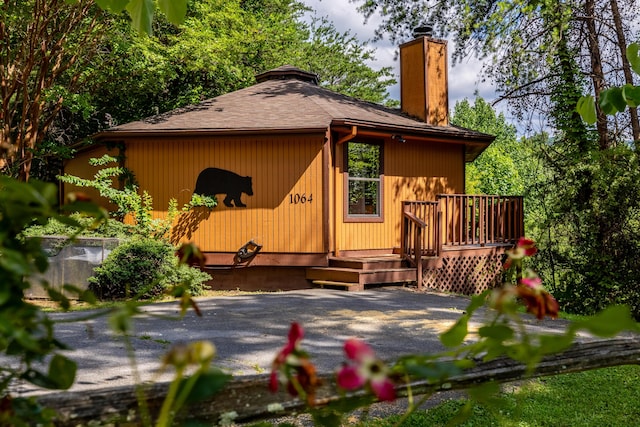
481, 220
420, 232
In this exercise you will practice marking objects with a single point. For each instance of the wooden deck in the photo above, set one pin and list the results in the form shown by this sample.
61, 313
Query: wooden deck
453, 244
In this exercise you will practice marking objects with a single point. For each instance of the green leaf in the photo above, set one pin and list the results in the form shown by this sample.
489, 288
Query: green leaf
120, 321
27, 341
432, 371
497, 332
609, 322
62, 374
141, 12
485, 392
62, 371
587, 109
5, 294
83, 294
207, 384
175, 10
58, 297
350, 404
327, 418
115, 6
477, 301
550, 344
611, 100
14, 262
457, 333
631, 95
38, 378
633, 55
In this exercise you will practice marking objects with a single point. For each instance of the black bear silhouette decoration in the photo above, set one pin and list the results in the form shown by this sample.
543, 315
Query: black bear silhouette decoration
212, 181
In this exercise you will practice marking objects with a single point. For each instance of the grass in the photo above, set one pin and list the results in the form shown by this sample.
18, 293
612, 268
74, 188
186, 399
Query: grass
604, 397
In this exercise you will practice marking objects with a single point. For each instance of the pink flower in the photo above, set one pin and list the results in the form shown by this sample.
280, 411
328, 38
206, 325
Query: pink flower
529, 292
524, 248
532, 282
531, 279
296, 333
538, 302
367, 370
528, 246
292, 366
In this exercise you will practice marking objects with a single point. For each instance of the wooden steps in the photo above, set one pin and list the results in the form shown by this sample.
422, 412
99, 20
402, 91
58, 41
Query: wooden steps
353, 274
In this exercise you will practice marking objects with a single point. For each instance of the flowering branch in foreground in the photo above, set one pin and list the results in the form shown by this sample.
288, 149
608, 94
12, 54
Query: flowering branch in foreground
293, 367
365, 370
529, 289
502, 333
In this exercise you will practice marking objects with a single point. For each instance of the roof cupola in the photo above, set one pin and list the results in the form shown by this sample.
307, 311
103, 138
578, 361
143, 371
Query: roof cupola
288, 72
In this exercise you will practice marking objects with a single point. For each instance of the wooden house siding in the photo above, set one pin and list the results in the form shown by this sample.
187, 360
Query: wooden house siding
285, 213
80, 167
412, 171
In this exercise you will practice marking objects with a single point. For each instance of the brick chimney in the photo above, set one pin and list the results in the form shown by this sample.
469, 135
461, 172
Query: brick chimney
423, 78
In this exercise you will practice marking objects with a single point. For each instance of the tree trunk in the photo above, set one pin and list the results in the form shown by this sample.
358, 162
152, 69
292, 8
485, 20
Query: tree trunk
626, 69
55, 42
597, 75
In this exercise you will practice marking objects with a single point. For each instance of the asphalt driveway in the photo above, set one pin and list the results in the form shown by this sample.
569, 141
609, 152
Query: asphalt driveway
248, 330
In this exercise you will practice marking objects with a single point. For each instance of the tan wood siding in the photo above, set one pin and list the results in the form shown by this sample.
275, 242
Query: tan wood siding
283, 170
412, 171
80, 167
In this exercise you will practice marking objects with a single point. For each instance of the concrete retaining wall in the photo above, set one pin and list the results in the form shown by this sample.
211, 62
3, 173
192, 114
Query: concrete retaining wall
70, 263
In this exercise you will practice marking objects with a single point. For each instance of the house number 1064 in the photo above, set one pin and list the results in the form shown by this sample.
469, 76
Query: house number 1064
297, 198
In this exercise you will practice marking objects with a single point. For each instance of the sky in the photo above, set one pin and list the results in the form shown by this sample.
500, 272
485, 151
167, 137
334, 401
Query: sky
464, 80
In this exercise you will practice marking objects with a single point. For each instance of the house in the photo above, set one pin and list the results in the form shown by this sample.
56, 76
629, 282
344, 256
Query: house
315, 187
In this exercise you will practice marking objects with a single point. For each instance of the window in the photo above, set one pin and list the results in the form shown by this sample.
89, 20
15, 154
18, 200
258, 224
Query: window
364, 180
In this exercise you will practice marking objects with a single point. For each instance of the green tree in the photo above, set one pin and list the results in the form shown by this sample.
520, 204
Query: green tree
542, 55
98, 72
45, 47
498, 170
142, 12
340, 60
219, 48
523, 42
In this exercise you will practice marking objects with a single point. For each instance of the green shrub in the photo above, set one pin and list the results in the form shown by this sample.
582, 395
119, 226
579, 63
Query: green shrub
108, 228
143, 268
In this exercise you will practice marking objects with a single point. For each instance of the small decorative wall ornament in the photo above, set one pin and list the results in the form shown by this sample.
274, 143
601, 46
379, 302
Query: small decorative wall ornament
247, 252
213, 181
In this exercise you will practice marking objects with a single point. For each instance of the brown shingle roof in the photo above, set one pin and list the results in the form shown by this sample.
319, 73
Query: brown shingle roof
287, 99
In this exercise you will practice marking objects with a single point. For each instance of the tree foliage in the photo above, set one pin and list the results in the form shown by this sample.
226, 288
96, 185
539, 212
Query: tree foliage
523, 43
581, 184
45, 47
26, 333
87, 70
498, 170
142, 12
219, 48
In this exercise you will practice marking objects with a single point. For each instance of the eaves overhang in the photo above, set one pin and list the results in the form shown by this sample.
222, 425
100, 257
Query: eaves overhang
474, 142
172, 133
